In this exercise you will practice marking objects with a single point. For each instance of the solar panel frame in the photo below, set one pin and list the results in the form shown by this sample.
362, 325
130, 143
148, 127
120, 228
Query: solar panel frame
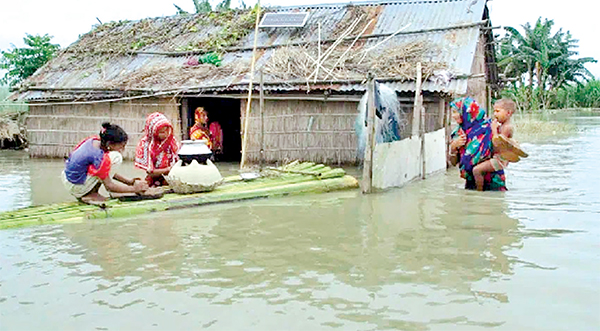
282, 20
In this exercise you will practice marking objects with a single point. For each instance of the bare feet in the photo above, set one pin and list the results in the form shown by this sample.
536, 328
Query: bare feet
94, 198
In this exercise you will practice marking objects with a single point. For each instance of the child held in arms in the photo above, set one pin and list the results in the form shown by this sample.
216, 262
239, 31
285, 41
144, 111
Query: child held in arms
156, 152
94, 162
502, 130
472, 144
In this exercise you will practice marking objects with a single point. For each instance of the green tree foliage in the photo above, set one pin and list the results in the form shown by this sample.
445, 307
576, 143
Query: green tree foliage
23, 62
203, 6
585, 95
541, 61
224, 5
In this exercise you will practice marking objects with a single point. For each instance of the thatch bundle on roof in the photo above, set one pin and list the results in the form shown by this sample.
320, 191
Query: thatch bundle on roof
176, 75
300, 62
200, 33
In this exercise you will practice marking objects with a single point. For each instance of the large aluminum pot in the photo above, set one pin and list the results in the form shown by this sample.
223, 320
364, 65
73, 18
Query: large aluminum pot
194, 150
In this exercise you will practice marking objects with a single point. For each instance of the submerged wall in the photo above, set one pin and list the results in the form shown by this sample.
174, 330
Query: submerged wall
397, 163
321, 131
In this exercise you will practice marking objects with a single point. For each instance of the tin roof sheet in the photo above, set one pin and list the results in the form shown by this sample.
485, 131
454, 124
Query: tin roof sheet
457, 49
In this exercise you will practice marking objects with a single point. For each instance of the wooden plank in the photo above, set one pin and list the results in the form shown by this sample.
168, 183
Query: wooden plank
419, 116
367, 179
262, 120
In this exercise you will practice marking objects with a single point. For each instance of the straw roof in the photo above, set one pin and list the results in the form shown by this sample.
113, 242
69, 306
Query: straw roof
339, 42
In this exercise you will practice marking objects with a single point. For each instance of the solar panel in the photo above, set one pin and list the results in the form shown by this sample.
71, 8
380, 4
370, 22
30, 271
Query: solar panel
277, 20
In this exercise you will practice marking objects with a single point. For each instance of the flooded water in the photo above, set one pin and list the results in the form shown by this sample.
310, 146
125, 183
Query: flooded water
430, 256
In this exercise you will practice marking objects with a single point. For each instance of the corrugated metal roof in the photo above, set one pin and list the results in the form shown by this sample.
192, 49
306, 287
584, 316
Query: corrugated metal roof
457, 48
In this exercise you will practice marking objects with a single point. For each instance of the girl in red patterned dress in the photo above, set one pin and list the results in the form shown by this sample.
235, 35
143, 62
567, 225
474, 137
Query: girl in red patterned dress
156, 152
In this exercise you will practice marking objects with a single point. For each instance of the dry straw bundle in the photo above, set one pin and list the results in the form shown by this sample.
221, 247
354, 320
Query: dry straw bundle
163, 75
300, 62
9, 129
175, 75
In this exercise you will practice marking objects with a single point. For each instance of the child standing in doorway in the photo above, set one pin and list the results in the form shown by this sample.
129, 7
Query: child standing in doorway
501, 126
156, 152
94, 162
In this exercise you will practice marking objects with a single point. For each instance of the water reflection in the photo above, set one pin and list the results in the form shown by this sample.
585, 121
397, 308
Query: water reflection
429, 256
344, 260
15, 191
30, 182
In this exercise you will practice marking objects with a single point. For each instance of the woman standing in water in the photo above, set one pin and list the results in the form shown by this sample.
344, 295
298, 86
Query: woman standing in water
472, 143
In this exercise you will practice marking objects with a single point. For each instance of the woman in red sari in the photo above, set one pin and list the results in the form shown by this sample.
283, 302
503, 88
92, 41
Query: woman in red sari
156, 152
202, 131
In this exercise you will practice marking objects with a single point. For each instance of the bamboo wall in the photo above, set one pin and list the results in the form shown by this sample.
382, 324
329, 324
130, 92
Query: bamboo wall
434, 106
53, 130
320, 131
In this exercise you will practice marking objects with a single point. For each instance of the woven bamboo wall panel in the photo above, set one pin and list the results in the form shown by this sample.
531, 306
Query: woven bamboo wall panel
318, 131
53, 130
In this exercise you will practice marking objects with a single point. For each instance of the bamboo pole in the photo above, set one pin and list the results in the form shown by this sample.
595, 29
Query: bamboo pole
318, 52
246, 117
381, 42
420, 113
367, 179
446, 127
343, 56
416, 118
331, 48
262, 121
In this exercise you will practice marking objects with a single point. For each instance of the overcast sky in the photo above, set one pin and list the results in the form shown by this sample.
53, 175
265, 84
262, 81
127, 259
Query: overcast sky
65, 20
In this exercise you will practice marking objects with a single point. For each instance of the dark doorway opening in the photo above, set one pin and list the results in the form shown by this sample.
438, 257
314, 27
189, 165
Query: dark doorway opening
226, 112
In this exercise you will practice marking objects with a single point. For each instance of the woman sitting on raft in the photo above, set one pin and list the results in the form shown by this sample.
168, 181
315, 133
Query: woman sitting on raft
472, 143
156, 152
94, 162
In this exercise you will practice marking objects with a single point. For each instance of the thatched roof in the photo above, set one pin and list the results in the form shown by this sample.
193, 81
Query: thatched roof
343, 41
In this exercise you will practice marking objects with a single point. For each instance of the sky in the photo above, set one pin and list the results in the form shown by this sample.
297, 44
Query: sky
65, 20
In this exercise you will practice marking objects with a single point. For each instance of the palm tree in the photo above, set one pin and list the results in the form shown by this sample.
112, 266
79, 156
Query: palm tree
537, 54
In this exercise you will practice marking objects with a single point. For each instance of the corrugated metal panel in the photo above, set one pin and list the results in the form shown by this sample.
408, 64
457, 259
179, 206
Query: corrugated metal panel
456, 46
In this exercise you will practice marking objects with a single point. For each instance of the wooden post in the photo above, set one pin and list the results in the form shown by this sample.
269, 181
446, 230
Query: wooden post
418, 102
442, 113
367, 178
447, 129
248, 105
262, 121
418, 128
488, 88
185, 118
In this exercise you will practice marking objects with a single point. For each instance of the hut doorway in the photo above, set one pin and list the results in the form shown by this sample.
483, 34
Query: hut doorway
226, 112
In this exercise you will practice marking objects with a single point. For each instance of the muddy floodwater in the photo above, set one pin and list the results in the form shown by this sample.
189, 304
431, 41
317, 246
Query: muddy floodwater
429, 256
